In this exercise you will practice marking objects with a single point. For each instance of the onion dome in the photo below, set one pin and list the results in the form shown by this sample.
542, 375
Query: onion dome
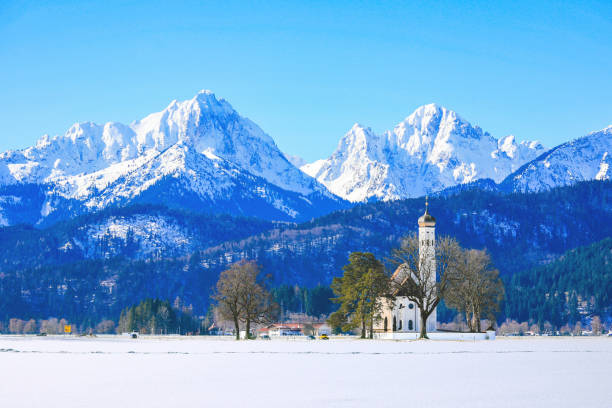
426, 220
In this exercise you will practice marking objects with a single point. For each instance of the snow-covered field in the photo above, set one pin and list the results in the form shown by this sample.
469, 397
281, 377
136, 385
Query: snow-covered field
201, 372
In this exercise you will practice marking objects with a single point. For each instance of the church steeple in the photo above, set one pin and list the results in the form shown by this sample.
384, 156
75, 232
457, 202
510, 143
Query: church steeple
426, 220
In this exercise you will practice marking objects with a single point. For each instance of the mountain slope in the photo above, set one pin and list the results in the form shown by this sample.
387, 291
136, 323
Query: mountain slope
586, 158
430, 150
580, 279
218, 157
520, 231
135, 232
45, 272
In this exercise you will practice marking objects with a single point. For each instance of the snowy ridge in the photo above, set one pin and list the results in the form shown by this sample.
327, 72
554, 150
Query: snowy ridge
202, 142
586, 158
430, 150
149, 235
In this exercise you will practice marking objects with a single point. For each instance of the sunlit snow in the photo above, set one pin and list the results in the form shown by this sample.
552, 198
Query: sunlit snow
172, 372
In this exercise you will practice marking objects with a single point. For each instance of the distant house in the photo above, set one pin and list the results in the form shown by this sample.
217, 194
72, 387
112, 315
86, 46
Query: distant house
293, 329
322, 328
285, 329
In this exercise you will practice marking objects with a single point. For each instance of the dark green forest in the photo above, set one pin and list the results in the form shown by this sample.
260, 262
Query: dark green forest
154, 316
577, 285
310, 301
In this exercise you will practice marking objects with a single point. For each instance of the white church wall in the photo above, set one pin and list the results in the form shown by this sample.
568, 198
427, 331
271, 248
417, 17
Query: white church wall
436, 336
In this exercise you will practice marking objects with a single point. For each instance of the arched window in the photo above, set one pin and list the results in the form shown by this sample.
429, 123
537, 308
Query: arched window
386, 323
394, 324
410, 325
399, 326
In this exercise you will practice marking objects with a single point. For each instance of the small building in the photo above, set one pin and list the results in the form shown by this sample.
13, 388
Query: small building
285, 329
322, 328
294, 329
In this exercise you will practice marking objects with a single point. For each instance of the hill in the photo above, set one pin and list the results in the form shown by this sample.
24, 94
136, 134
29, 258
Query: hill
40, 279
575, 286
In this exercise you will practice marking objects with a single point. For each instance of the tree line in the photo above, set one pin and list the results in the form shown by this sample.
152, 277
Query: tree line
568, 291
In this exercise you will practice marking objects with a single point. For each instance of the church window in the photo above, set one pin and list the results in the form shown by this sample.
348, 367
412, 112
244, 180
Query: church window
399, 326
410, 306
394, 324
410, 325
385, 328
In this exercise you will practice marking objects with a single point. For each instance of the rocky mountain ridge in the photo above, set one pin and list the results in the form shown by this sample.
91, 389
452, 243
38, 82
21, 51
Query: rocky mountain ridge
432, 149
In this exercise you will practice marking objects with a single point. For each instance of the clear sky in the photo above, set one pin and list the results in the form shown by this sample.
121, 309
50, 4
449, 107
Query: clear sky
306, 71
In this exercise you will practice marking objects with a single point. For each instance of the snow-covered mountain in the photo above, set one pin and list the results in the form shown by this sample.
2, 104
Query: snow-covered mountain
198, 153
297, 161
430, 150
586, 158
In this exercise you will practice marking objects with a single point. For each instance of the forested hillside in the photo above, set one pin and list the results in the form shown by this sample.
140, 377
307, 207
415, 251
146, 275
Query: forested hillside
137, 232
520, 231
41, 276
577, 285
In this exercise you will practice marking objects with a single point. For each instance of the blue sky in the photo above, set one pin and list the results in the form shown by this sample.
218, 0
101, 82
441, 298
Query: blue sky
306, 71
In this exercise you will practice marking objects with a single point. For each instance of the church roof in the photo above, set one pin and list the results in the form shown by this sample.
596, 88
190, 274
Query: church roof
398, 280
426, 220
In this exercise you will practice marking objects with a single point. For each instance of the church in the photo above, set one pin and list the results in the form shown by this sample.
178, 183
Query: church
402, 315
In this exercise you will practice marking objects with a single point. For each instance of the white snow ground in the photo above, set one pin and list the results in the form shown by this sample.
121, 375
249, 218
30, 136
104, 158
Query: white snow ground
172, 372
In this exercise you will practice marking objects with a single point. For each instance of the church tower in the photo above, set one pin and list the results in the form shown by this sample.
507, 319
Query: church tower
427, 253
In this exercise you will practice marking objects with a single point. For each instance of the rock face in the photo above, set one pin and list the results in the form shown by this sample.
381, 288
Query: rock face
200, 150
586, 158
202, 156
430, 150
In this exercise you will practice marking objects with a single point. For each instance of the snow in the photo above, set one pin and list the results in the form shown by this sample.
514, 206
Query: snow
297, 161
604, 166
154, 235
203, 122
585, 158
432, 149
111, 371
100, 165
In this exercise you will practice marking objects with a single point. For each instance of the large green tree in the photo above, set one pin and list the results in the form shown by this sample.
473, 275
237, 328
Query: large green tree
358, 292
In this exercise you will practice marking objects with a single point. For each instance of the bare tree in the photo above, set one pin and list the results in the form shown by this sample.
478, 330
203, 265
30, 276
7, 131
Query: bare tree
50, 326
596, 325
548, 328
424, 279
30, 327
241, 298
105, 327
308, 329
476, 289
16, 326
256, 303
577, 329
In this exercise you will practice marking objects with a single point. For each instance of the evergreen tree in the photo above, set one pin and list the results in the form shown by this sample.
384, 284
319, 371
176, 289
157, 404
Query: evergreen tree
358, 292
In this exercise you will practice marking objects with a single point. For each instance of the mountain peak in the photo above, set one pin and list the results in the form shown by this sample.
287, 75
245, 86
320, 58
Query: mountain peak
430, 150
429, 110
203, 139
206, 92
